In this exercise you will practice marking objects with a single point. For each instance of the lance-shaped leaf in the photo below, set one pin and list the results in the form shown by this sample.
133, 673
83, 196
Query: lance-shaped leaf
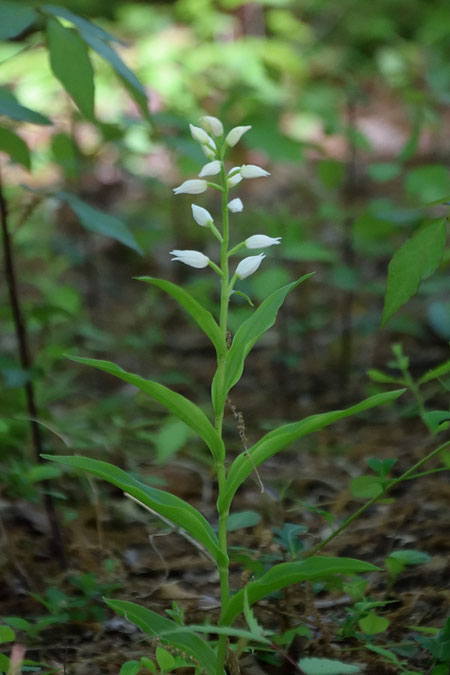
100, 222
177, 404
246, 336
80, 23
70, 63
10, 107
171, 633
204, 319
435, 373
129, 79
416, 260
14, 19
287, 574
279, 438
171, 507
15, 147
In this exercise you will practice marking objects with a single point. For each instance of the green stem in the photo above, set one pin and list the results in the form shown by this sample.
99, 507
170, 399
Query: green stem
405, 476
220, 467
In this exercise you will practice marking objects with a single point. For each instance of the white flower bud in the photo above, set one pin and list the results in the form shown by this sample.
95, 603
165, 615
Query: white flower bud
200, 135
210, 169
261, 241
234, 180
235, 205
191, 258
201, 215
192, 187
249, 265
253, 171
210, 154
235, 135
212, 125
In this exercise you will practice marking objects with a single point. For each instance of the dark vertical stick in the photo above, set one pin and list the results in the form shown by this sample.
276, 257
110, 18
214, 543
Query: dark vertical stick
348, 253
25, 362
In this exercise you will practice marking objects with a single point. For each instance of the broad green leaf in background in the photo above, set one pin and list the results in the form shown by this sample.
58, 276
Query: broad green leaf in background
99, 222
15, 147
416, 260
6, 634
241, 519
79, 22
10, 107
155, 625
410, 556
317, 666
287, 574
130, 668
428, 183
279, 438
246, 336
204, 319
437, 420
177, 404
70, 63
164, 658
14, 18
170, 437
129, 79
171, 507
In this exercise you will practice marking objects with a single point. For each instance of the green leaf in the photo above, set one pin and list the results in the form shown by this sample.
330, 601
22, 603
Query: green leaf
286, 574
383, 378
315, 666
436, 420
372, 624
204, 319
428, 183
177, 404
170, 438
129, 79
384, 171
241, 519
410, 556
416, 260
130, 668
10, 107
171, 507
246, 336
164, 658
99, 222
69, 60
80, 23
279, 438
14, 19
15, 147
366, 487
6, 634
435, 373
155, 625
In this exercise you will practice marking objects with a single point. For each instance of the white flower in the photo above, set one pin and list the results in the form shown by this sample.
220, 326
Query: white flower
235, 135
234, 180
200, 135
253, 171
210, 154
210, 169
249, 265
191, 258
212, 125
261, 241
192, 187
235, 205
201, 215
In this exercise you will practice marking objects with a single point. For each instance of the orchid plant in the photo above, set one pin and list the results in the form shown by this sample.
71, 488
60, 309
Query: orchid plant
212, 657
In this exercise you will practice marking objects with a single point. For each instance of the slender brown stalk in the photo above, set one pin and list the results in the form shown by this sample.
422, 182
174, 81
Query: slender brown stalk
25, 362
